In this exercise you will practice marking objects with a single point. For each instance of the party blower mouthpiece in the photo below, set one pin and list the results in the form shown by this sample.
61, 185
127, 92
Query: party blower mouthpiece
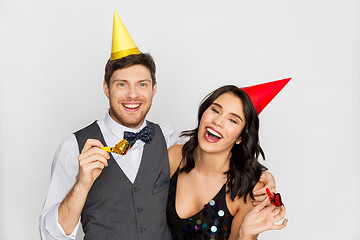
121, 147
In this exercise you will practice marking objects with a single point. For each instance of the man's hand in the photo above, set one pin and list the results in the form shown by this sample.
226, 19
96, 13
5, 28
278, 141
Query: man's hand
262, 218
92, 161
269, 182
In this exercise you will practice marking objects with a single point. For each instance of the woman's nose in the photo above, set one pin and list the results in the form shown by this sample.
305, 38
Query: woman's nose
219, 121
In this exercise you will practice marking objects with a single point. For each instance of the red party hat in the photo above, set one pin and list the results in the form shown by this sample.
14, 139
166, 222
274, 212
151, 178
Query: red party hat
262, 94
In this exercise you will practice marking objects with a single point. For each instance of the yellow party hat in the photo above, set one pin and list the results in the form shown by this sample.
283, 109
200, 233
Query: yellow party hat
122, 44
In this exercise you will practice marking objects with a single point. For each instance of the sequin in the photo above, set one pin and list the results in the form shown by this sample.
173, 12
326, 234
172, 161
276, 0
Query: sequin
221, 213
212, 222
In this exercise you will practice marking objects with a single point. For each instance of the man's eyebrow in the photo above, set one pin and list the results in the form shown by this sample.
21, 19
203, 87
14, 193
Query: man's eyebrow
124, 80
234, 114
145, 80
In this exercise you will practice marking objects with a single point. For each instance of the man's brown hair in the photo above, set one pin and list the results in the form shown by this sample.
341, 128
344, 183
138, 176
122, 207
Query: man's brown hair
144, 59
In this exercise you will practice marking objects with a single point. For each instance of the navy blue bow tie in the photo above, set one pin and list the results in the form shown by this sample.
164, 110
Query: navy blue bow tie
144, 135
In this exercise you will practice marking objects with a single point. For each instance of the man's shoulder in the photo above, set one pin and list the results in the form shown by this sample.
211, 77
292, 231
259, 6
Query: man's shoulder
166, 128
70, 143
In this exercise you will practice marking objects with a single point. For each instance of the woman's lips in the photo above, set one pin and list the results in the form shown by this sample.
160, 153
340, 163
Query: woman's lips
211, 135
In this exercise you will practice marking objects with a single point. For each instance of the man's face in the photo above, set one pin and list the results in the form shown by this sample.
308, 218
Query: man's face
130, 94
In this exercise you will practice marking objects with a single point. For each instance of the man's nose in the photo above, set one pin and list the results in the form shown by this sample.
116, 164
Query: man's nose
133, 92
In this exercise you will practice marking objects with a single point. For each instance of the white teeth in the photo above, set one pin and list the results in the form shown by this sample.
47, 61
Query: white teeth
213, 132
131, 105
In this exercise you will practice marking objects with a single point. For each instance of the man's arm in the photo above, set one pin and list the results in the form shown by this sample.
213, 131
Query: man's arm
269, 182
64, 170
92, 161
64, 184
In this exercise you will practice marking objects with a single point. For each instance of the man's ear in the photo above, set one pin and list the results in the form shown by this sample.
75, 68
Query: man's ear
154, 89
106, 89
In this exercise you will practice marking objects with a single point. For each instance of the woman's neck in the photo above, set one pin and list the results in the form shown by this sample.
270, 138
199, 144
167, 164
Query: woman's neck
211, 163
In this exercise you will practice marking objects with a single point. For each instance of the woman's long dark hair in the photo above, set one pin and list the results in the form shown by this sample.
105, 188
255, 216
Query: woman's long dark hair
245, 170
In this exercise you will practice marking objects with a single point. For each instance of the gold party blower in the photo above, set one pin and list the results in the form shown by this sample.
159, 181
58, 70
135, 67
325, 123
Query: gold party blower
121, 147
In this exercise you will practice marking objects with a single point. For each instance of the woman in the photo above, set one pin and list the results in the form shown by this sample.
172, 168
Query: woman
213, 174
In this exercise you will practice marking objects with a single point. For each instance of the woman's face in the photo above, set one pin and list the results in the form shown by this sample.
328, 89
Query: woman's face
221, 124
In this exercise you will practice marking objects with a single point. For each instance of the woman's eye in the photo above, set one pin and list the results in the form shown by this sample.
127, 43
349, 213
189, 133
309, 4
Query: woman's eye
214, 110
233, 121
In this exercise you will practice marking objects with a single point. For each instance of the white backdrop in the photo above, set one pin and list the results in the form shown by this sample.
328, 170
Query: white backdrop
52, 58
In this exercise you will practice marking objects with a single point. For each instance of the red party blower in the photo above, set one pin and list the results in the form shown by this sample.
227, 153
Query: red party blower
275, 198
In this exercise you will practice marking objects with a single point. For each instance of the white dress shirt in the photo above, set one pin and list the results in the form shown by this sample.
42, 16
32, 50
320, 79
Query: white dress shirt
65, 168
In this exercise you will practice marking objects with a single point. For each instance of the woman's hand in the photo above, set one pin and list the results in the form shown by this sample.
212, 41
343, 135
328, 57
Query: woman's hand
262, 218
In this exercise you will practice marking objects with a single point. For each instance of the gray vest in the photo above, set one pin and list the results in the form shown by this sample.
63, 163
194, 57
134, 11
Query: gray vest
117, 209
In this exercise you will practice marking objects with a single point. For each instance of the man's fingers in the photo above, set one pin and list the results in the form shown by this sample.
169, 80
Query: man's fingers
91, 143
93, 158
97, 164
92, 151
261, 205
262, 191
258, 199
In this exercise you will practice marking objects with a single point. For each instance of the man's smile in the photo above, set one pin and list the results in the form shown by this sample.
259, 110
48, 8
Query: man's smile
131, 106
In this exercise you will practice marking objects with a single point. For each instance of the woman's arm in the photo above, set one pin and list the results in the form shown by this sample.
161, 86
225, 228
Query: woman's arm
260, 219
242, 209
175, 157
238, 218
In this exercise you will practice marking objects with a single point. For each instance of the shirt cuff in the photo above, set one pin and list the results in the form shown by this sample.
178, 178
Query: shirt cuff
54, 228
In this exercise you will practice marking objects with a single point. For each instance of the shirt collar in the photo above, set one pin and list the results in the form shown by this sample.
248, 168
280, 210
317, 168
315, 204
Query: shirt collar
117, 129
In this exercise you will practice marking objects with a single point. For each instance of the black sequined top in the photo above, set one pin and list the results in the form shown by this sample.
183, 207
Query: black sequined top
212, 222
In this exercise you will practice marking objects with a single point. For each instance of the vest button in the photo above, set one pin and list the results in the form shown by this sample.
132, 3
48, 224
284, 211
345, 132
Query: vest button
136, 189
139, 210
142, 230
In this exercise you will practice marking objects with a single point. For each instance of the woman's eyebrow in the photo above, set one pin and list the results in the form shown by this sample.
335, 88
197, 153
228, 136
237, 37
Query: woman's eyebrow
234, 114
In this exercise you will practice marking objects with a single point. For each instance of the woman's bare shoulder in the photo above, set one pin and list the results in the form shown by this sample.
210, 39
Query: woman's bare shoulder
175, 156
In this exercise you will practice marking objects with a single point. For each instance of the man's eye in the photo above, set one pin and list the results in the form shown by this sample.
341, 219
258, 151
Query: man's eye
143, 85
121, 84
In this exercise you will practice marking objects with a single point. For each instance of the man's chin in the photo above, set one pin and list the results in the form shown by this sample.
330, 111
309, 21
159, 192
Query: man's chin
128, 119
136, 123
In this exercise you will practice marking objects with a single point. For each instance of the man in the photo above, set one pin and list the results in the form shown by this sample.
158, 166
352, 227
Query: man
116, 197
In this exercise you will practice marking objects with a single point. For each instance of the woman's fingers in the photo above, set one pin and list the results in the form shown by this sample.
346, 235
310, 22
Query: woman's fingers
280, 215
280, 226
